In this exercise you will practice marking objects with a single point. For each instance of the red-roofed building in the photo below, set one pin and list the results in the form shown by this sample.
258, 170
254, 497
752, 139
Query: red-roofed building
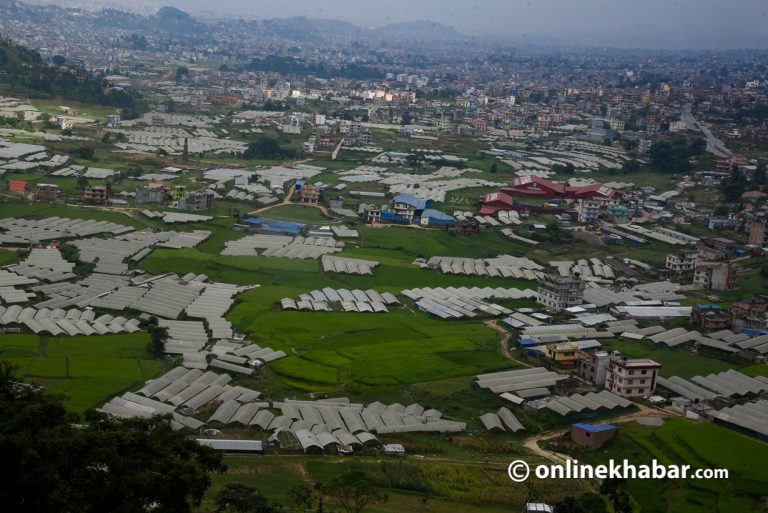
532, 185
536, 186
593, 191
495, 202
18, 186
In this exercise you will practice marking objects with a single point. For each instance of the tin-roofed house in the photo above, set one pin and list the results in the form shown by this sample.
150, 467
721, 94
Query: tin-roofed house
405, 209
592, 437
432, 217
47, 192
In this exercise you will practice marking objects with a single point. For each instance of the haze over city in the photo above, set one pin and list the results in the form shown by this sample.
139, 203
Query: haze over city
657, 24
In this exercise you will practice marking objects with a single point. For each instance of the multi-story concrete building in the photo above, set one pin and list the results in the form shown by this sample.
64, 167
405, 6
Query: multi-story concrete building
719, 276
757, 229
310, 194
750, 314
47, 192
560, 292
681, 262
709, 318
155, 192
369, 213
589, 210
95, 194
632, 377
594, 366
198, 201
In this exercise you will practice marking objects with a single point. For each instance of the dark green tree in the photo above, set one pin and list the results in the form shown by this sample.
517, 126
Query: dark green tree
320, 489
85, 152
569, 505
671, 157
614, 489
630, 166
593, 503
564, 169
267, 148
758, 177
107, 464
300, 497
734, 186
242, 498
156, 346
181, 73
354, 492
698, 146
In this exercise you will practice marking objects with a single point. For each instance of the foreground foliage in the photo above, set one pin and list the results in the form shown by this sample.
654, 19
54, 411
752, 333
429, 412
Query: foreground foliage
118, 465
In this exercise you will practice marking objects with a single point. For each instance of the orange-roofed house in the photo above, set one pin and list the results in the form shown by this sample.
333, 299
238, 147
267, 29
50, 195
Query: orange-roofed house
18, 186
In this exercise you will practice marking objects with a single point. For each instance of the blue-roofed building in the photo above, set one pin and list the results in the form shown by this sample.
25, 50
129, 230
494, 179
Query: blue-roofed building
709, 318
407, 206
390, 216
409, 200
299, 185
408, 209
432, 217
283, 228
261, 225
592, 437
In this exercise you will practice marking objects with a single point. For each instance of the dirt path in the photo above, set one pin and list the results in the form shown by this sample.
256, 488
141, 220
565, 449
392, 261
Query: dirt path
287, 201
532, 443
504, 342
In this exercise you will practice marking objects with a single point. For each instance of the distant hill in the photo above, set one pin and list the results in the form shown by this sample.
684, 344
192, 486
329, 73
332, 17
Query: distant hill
419, 31
24, 73
176, 24
299, 28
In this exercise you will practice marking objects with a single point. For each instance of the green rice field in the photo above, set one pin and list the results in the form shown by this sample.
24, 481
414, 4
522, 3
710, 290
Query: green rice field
86, 370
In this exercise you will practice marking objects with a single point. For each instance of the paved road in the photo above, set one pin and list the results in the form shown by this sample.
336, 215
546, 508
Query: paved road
337, 150
714, 145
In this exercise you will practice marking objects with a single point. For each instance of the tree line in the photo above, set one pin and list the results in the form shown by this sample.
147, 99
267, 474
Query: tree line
25, 72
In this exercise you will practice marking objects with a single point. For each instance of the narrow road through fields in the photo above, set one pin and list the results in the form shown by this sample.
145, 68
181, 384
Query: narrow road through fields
504, 342
532, 443
287, 201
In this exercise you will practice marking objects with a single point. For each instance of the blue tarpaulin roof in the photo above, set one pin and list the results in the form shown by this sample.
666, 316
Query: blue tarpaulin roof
436, 214
411, 200
283, 227
593, 429
269, 226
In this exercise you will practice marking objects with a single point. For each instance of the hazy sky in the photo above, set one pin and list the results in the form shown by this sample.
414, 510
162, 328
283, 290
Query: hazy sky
694, 23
